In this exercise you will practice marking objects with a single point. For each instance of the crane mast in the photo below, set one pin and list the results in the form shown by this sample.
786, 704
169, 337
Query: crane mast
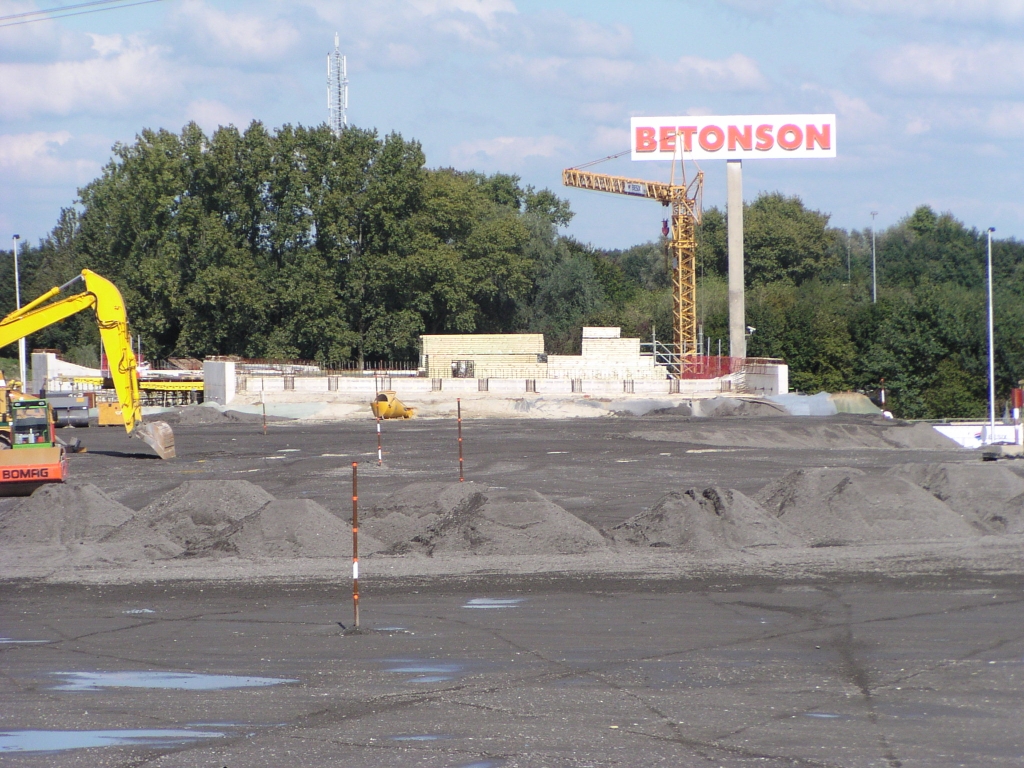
681, 254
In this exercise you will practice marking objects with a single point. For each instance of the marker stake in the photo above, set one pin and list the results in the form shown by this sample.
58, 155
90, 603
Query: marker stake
458, 405
355, 546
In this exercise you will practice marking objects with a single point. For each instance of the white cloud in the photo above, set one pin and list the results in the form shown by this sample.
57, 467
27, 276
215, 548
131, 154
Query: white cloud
735, 73
508, 150
854, 115
992, 68
966, 11
36, 156
610, 140
593, 75
210, 115
1006, 120
123, 75
486, 11
241, 36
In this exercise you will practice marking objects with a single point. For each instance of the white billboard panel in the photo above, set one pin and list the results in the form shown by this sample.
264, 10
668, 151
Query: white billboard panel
733, 137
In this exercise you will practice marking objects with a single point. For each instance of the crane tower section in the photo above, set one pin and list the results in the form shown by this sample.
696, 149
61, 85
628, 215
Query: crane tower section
681, 252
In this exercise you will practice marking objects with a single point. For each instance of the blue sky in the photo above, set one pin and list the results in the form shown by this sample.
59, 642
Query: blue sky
929, 94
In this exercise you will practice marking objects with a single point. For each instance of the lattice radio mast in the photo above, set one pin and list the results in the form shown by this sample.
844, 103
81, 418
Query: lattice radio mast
337, 89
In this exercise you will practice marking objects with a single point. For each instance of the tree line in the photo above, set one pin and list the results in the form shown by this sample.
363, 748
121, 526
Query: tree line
299, 244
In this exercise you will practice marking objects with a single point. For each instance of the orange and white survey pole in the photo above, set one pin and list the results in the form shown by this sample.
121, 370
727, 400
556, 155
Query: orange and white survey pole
380, 453
355, 546
458, 406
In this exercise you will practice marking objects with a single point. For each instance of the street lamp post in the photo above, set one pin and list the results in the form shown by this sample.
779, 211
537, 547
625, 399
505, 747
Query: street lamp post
991, 349
17, 305
874, 278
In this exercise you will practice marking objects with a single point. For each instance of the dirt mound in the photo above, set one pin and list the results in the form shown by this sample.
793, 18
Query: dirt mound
841, 505
192, 415
708, 521
288, 528
806, 432
191, 514
409, 512
62, 513
502, 522
980, 491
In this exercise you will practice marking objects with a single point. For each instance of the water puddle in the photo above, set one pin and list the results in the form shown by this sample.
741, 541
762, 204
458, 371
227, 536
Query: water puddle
393, 631
494, 602
9, 641
137, 611
420, 737
425, 672
58, 741
289, 450
825, 716
485, 764
181, 681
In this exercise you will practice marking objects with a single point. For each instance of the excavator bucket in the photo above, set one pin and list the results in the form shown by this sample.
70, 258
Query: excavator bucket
158, 436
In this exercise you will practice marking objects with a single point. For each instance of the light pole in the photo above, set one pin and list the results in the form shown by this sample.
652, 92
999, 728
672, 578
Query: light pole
991, 348
17, 305
874, 278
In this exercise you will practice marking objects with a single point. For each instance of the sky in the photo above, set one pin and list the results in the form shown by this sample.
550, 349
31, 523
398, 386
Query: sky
928, 94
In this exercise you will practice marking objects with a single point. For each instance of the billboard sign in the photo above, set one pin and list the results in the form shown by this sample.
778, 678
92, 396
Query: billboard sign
733, 137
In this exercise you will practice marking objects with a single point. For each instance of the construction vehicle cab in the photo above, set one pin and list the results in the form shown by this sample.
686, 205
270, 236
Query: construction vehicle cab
32, 455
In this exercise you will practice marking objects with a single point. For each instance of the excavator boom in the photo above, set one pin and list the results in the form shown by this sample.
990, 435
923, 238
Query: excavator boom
102, 296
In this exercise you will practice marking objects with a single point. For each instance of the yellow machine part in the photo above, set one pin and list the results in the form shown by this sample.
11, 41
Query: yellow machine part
387, 406
110, 414
102, 296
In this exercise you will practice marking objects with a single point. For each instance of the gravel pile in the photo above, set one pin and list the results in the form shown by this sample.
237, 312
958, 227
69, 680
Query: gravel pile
192, 415
62, 514
409, 512
288, 528
447, 518
805, 432
191, 514
984, 491
709, 521
838, 506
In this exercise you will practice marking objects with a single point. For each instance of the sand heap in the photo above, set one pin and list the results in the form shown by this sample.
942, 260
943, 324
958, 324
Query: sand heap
709, 521
840, 505
62, 514
469, 518
288, 528
983, 491
190, 515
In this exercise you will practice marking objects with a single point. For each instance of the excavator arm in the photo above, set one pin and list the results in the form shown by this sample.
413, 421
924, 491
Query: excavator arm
103, 297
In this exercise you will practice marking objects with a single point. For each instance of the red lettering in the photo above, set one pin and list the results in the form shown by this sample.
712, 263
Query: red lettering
24, 474
711, 138
744, 138
790, 137
645, 140
822, 137
765, 141
687, 131
667, 139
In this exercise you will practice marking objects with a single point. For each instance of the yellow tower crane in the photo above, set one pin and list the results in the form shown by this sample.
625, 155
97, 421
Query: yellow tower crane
685, 199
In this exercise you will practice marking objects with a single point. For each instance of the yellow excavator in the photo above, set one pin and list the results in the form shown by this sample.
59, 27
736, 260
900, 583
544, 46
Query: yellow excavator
103, 297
